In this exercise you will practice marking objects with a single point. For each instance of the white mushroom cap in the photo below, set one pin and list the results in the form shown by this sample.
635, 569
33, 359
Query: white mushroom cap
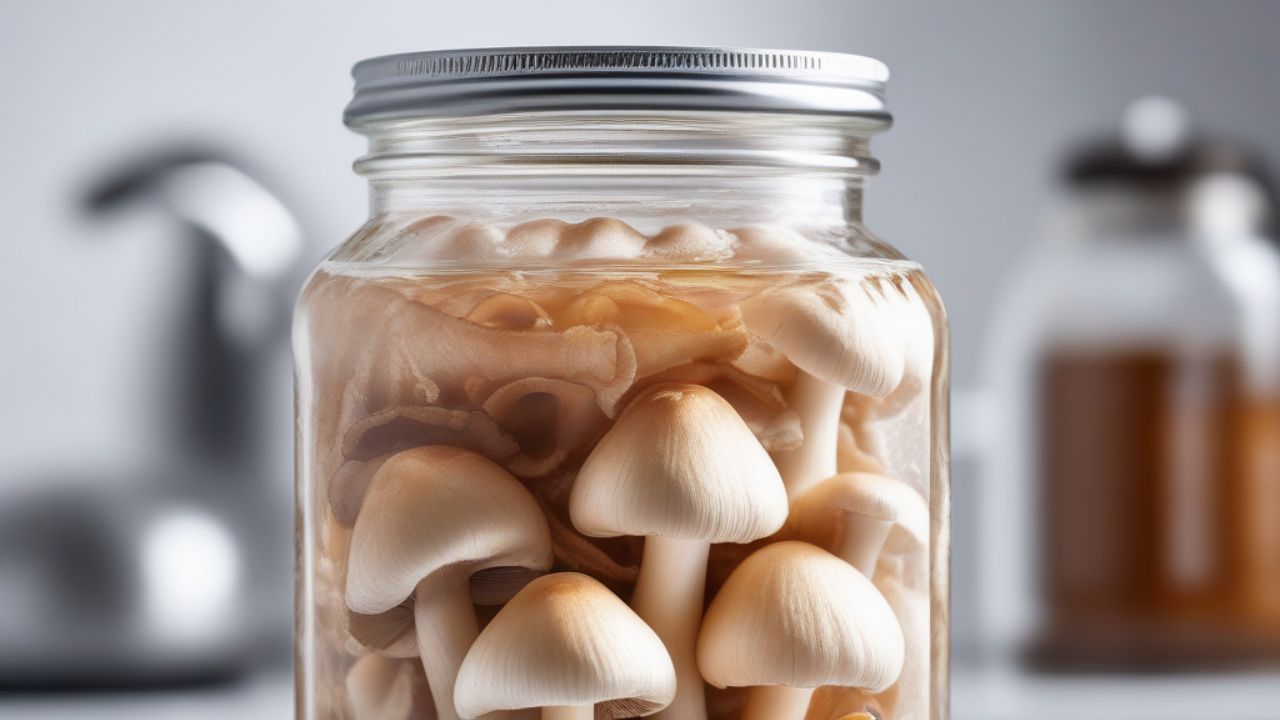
821, 513
600, 238
566, 640
793, 614
837, 331
440, 509
679, 463
691, 241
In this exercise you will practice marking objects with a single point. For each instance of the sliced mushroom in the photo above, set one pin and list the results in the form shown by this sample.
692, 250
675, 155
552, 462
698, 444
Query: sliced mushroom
397, 429
568, 645
380, 688
758, 402
853, 515
681, 469
369, 330
841, 336
548, 418
434, 516
506, 311
665, 332
793, 617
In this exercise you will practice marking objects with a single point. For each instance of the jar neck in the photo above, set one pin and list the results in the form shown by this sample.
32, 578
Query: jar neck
742, 168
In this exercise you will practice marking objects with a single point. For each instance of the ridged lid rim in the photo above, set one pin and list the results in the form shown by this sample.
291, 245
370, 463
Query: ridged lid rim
514, 79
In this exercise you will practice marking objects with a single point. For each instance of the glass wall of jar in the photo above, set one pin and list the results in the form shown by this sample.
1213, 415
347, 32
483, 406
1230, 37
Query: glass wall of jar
615, 406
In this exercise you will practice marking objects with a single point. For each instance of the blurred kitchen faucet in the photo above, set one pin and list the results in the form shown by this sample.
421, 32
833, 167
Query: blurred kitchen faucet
177, 570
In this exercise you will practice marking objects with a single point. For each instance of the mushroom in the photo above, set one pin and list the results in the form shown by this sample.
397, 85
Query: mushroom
400, 428
839, 335
380, 332
441, 237
548, 418
534, 239
380, 688
680, 468
758, 402
390, 634
692, 242
600, 238
509, 312
434, 516
915, 325
568, 645
665, 332
853, 514
349, 485
793, 617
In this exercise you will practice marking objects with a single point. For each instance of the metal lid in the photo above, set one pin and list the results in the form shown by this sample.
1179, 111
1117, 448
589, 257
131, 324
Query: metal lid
531, 79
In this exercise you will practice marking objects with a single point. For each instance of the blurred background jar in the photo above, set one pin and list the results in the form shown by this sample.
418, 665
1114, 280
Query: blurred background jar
1136, 368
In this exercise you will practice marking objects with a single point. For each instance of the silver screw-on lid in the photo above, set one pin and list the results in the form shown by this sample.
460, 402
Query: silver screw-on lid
497, 80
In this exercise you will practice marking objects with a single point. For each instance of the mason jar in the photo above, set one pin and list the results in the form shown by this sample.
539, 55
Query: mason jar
614, 407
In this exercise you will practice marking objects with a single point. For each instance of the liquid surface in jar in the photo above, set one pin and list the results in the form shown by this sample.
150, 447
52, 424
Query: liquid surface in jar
1159, 478
533, 371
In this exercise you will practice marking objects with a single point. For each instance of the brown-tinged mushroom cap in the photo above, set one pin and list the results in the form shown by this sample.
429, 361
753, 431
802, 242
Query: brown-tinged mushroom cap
854, 514
434, 509
795, 615
380, 688
566, 641
679, 463
548, 418
836, 330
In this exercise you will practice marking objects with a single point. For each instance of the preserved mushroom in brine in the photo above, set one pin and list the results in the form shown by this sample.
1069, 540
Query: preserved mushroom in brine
600, 489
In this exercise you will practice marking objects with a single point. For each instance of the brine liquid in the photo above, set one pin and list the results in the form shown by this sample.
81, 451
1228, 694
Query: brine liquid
1160, 490
360, 359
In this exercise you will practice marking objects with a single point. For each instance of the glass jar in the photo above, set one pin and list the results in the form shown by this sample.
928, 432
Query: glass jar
1137, 364
615, 402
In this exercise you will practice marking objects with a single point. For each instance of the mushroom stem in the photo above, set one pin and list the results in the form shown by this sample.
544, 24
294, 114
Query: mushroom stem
668, 596
777, 702
569, 712
818, 404
446, 625
863, 539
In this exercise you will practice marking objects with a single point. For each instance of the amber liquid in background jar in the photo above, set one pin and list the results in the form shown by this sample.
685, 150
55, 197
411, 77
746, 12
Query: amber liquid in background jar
1161, 486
